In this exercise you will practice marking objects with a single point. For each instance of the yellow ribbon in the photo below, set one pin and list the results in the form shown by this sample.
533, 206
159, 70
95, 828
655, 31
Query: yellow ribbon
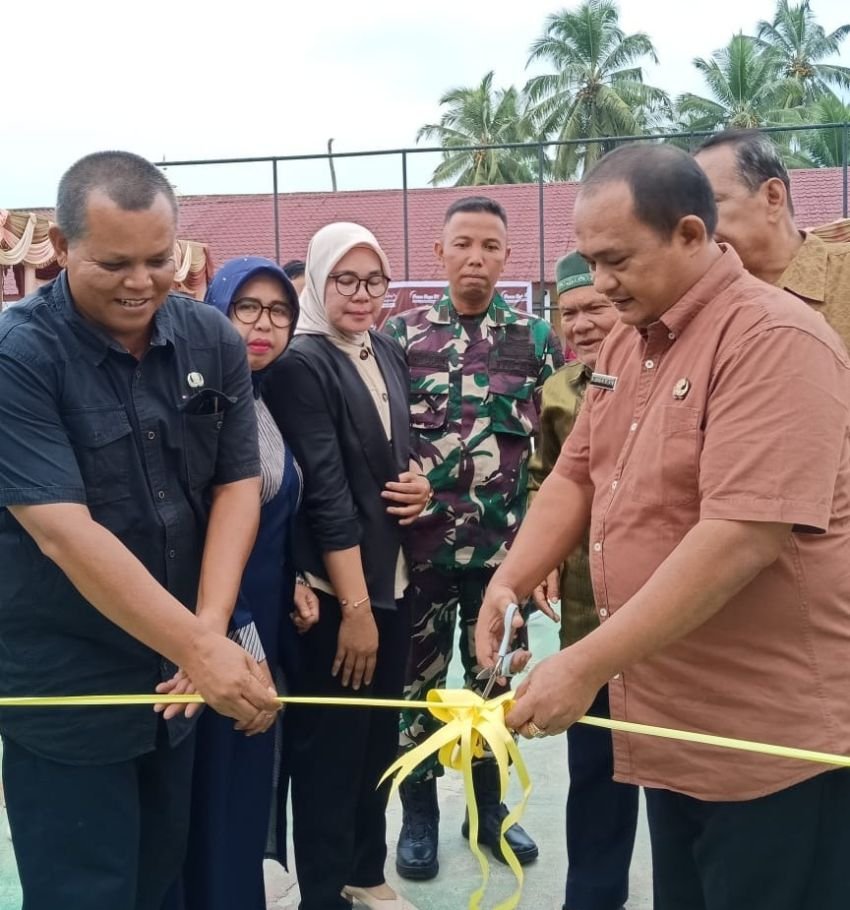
470, 725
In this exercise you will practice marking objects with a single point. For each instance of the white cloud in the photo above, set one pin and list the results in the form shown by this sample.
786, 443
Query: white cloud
187, 80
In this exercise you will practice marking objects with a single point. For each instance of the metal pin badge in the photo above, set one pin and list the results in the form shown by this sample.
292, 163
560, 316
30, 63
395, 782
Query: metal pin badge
195, 380
681, 389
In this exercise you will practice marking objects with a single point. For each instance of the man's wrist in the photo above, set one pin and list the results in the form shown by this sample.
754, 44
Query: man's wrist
589, 662
502, 586
195, 645
216, 620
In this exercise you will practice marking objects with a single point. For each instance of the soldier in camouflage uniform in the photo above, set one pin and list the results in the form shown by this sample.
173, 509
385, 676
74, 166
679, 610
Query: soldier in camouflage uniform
477, 368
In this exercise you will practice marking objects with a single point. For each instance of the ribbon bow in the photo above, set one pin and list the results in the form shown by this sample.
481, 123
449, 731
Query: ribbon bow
473, 726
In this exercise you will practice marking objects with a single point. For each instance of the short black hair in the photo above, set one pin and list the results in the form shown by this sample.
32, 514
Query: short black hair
756, 157
129, 180
476, 204
294, 268
666, 184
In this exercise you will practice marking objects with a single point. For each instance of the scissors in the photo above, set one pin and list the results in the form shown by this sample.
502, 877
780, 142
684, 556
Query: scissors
503, 662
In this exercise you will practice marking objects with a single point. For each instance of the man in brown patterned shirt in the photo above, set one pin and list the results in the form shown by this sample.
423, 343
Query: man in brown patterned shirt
756, 217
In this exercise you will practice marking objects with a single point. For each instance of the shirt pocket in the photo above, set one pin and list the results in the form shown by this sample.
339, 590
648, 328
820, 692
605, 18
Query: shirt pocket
666, 464
103, 445
201, 434
511, 404
429, 389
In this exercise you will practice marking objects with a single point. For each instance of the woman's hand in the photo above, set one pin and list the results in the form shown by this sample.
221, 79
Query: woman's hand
180, 684
411, 491
357, 647
306, 612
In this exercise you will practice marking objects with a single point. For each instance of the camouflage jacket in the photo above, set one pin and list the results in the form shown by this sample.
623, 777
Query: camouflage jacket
475, 387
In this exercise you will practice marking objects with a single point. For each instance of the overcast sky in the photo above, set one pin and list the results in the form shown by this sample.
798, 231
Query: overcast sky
183, 80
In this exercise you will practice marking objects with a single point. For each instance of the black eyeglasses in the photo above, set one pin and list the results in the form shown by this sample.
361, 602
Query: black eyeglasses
348, 284
249, 311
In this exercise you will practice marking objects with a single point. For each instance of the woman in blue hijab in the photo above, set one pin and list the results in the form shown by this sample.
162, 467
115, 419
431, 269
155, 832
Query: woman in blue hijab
233, 788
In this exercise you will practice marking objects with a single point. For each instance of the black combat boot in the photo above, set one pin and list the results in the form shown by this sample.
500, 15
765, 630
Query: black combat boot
416, 854
491, 812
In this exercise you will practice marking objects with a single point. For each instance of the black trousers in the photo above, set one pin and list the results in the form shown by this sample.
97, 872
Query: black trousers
601, 819
98, 837
786, 851
336, 757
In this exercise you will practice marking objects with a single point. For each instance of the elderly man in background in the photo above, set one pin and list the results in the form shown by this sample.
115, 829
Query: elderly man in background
755, 215
601, 812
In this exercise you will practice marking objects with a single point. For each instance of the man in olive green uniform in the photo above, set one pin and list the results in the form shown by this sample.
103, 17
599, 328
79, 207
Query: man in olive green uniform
477, 369
601, 814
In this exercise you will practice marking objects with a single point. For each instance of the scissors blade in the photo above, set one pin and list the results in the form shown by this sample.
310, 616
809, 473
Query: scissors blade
490, 683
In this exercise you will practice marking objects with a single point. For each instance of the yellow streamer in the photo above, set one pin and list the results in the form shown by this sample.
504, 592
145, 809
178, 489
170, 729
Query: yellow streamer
470, 725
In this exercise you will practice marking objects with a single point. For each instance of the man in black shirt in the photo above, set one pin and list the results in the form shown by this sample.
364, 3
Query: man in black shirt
129, 498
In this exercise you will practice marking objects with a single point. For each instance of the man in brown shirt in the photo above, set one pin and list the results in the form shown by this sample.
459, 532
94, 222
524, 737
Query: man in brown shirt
756, 216
601, 816
711, 460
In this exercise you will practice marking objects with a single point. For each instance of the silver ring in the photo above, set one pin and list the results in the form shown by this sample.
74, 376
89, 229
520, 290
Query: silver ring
535, 731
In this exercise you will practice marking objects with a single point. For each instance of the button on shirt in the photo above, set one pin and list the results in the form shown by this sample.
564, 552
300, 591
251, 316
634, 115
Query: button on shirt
85, 422
760, 434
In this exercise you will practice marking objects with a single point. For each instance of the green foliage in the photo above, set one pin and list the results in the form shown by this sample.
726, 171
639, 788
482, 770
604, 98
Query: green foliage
482, 116
745, 91
595, 94
795, 45
826, 148
597, 88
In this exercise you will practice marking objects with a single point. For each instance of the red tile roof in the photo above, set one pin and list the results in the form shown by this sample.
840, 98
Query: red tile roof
243, 225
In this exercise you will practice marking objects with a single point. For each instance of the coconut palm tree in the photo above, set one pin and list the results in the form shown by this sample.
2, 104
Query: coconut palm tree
597, 88
744, 89
795, 45
482, 116
826, 148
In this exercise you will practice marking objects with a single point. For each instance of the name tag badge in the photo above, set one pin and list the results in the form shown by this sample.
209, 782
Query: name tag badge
603, 381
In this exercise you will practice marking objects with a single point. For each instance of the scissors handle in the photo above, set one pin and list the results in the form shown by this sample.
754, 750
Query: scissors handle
500, 669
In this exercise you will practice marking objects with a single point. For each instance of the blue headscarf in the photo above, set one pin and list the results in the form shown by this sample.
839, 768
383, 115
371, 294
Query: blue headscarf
232, 275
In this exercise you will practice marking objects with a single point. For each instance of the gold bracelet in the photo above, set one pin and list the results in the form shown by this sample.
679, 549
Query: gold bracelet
356, 604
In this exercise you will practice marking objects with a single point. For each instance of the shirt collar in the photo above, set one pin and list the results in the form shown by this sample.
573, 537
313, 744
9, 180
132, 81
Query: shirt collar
581, 378
805, 274
96, 342
723, 271
497, 313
